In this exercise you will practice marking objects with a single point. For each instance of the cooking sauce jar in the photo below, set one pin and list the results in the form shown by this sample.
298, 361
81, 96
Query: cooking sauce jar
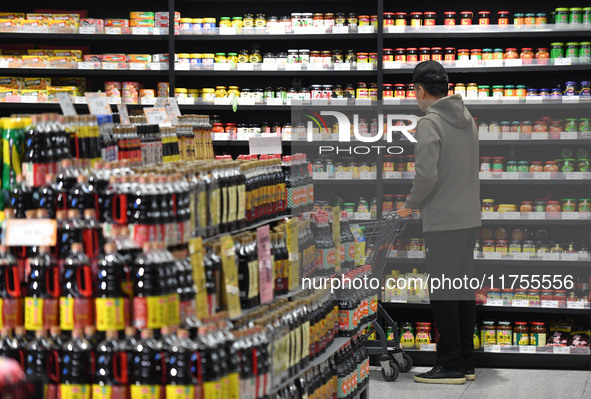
537, 334
504, 333
503, 18
466, 18
400, 19
412, 54
520, 333
483, 17
416, 19
424, 54
449, 18
429, 18
449, 54
436, 54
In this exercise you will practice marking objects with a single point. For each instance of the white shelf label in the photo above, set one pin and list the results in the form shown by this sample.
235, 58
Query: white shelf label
148, 100
568, 135
23, 232
512, 215
138, 66
79, 100
573, 176
182, 67
277, 30
395, 29
110, 65
549, 304
293, 67
98, 103
492, 255
485, 175
510, 175
320, 175
392, 64
542, 175
222, 67
490, 215
570, 257
269, 67
363, 101
319, 101
185, 101
225, 30
315, 67
539, 136
221, 136
112, 30
511, 136
86, 65
536, 215
521, 255
513, 63
415, 254
494, 63
28, 99
365, 66
392, 175
140, 30
520, 303
87, 30
340, 30
577, 304
245, 66
362, 216
533, 100
570, 99
365, 29
527, 349
428, 347
570, 215
338, 101
4, 64
488, 136
246, 101
562, 61
342, 66
158, 66
114, 100
494, 302
157, 116
343, 175
221, 101
366, 176
561, 350
66, 104
274, 101
465, 64
492, 348
551, 256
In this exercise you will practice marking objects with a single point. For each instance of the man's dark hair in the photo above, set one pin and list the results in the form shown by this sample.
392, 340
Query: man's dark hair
434, 89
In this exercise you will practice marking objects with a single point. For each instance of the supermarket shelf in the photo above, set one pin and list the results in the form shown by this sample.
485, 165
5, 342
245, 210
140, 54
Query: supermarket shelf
289, 295
526, 222
484, 69
557, 264
79, 72
315, 144
586, 141
275, 73
254, 37
411, 106
494, 182
484, 308
253, 226
475, 32
335, 182
78, 37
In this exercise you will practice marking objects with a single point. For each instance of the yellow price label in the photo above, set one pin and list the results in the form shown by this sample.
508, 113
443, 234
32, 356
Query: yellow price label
231, 294
196, 254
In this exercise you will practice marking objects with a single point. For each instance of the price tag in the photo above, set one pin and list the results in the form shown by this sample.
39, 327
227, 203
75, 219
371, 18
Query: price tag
365, 29
138, 66
66, 104
173, 110
520, 303
573, 175
342, 66
277, 30
542, 175
527, 349
415, 254
114, 100
245, 101
577, 305
365, 66
186, 100
274, 101
362, 215
562, 61
196, 259
221, 101
157, 116
494, 63
512, 215
31, 232
339, 30
112, 30
533, 100
28, 99
561, 350
570, 99
536, 215
492, 348
225, 30
338, 101
568, 135
148, 100
4, 64
396, 29
269, 67
428, 347
570, 215
392, 175
465, 64
551, 256
80, 100
570, 257
492, 255
366, 176
513, 63
230, 289
363, 101
87, 30
140, 30
158, 66
181, 67
488, 136
510, 175
490, 215
293, 67
245, 66
510, 100
485, 175
86, 65
265, 145
110, 65
315, 67
98, 104
222, 67
343, 175
521, 255
392, 64
160, 102
539, 136
320, 175
319, 101
494, 302
511, 136
123, 114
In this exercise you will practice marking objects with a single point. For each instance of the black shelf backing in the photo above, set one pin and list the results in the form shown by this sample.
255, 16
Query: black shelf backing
262, 37
83, 38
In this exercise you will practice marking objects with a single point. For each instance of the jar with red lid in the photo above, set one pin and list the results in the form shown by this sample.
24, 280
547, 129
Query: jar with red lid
388, 203
449, 18
483, 17
553, 206
449, 54
400, 19
410, 91
373, 91
526, 206
400, 55
399, 90
475, 54
388, 163
511, 54
412, 54
429, 18
424, 54
540, 126
533, 297
542, 55
527, 55
503, 18
488, 246
551, 166
485, 164
410, 163
560, 297
466, 17
416, 19
388, 55
388, 90
399, 201
232, 128
436, 53
502, 246
546, 295
498, 164
399, 164
536, 166
218, 128
463, 54
388, 19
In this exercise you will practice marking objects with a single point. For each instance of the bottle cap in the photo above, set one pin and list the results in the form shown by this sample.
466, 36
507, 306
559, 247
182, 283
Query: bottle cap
76, 247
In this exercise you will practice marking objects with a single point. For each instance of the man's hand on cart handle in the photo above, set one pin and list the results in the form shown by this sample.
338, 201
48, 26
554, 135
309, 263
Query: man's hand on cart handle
406, 212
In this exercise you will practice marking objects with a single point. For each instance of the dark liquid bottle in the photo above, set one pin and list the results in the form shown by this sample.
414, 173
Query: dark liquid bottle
147, 373
43, 292
111, 304
20, 199
210, 280
46, 197
79, 196
75, 367
181, 366
77, 291
65, 180
42, 359
111, 369
10, 289
210, 364
138, 212
148, 296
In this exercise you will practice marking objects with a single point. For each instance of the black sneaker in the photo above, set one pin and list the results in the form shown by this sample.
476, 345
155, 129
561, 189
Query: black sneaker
439, 375
470, 374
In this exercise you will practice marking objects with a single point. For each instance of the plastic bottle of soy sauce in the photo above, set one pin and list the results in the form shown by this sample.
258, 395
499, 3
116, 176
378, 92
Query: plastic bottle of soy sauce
111, 369
75, 367
147, 372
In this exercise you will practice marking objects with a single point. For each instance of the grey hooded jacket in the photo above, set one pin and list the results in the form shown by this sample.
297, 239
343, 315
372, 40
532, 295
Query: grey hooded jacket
446, 188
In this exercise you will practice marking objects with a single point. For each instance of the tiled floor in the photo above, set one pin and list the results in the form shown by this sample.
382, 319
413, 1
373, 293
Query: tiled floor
490, 383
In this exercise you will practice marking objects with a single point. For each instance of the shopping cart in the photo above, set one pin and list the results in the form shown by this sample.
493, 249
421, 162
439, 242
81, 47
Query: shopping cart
380, 236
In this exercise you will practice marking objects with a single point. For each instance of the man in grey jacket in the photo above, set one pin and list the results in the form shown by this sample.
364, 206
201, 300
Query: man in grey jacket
446, 190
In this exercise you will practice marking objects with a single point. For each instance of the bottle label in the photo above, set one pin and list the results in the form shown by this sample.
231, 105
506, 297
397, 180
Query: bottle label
504, 337
180, 392
234, 386
241, 198
211, 390
173, 310
521, 339
225, 204
34, 174
214, 206
110, 314
202, 209
74, 391
232, 204
141, 233
145, 391
149, 312
253, 280
33, 314
12, 312
109, 392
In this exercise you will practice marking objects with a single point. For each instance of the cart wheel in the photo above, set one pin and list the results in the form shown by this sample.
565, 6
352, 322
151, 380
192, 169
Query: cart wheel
406, 364
392, 373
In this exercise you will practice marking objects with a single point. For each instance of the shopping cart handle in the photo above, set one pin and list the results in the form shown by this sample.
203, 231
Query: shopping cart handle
402, 213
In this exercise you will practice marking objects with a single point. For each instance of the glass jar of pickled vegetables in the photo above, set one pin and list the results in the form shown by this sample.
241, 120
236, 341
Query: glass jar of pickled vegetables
511, 54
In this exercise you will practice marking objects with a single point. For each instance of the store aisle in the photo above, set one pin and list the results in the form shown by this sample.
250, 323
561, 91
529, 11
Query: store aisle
490, 383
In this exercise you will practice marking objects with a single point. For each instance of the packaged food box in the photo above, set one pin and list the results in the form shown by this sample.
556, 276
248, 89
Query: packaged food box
12, 15
63, 62
10, 95
141, 15
97, 24
11, 82
66, 17
39, 52
114, 58
165, 24
130, 85
139, 58
34, 95
92, 58
77, 82
35, 61
25, 25
160, 58
53, 90
141, 23
114, 65
39, 17
116, 23
14, 61
68, 53
62, 26
7, 25
36, 83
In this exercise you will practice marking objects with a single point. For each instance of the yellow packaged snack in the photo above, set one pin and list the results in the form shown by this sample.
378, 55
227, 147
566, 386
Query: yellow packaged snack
34, 61
36, 83
11, 82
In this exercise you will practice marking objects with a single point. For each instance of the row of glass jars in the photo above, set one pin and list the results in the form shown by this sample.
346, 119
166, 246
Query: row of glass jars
498, 164
521, 334
543, 125
450, 18
534, 297
540, 205
534, 248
